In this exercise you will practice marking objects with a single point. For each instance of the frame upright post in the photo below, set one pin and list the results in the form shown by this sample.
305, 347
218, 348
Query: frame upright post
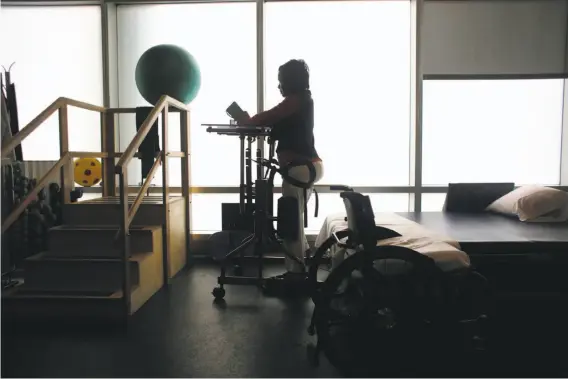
415, 179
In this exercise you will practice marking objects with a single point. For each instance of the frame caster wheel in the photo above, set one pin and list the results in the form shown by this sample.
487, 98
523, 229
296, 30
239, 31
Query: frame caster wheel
218, 293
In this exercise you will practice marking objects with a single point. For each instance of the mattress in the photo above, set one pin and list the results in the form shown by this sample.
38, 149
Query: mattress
491, 234
442, 249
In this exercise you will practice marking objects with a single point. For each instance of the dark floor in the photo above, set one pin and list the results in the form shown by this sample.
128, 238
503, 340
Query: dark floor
181, 333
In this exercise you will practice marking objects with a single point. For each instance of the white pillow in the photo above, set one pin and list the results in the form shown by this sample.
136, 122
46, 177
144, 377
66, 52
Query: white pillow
529, 203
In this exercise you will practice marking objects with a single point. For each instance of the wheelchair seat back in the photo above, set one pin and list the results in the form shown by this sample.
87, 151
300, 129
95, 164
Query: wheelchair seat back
360, 217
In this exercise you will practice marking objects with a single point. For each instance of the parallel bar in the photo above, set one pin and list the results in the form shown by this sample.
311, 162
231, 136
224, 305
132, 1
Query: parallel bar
185, 144
165, 197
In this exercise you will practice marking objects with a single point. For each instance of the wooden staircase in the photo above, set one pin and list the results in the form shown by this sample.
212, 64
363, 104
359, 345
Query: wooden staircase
112, 253
81, 273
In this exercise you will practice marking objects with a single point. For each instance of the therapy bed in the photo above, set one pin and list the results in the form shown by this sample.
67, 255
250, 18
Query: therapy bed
477, 234
515, 255
445, 251
495, 235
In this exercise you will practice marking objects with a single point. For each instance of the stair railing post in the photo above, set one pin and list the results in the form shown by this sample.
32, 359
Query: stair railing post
66, 176
124, 221
108, 146
185, 143
165, 197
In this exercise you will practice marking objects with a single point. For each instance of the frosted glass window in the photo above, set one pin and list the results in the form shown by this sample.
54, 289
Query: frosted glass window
433, 202
492, 131
359, 59
222, 38
206, 211
57, 52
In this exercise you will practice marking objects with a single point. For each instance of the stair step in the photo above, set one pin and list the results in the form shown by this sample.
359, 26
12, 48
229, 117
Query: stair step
98, 241
107, 211
47, 273
21, 304
23, 291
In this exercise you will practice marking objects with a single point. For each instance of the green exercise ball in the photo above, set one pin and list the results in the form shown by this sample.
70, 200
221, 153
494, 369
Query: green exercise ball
167, 70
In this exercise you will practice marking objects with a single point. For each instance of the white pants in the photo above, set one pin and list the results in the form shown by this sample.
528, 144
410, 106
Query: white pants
298, 247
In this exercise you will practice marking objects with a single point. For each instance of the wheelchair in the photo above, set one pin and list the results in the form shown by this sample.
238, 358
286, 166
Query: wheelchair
389, 309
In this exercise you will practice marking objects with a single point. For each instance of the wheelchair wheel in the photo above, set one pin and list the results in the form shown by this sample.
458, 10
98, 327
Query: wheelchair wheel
342, 237
316, 261
376, 312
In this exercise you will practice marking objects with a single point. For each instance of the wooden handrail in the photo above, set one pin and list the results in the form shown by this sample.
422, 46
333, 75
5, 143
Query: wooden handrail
140, 135
54, 171
16, 140
133, 110
145, 129
134, 208
83, 105
94, 154
175, 103
59, 104
138, 201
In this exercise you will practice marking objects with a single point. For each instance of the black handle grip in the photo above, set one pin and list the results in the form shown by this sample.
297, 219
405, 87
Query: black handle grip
339, 187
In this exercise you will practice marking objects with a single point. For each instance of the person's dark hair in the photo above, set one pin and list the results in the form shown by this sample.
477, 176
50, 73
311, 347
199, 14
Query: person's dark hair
294, 77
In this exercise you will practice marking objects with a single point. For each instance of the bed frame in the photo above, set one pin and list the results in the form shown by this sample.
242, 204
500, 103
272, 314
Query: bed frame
518, 257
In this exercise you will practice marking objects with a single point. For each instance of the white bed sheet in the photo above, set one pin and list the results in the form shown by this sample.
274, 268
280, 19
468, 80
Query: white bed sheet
442, 249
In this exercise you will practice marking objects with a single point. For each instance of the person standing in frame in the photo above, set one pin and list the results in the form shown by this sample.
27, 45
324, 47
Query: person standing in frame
292, 122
